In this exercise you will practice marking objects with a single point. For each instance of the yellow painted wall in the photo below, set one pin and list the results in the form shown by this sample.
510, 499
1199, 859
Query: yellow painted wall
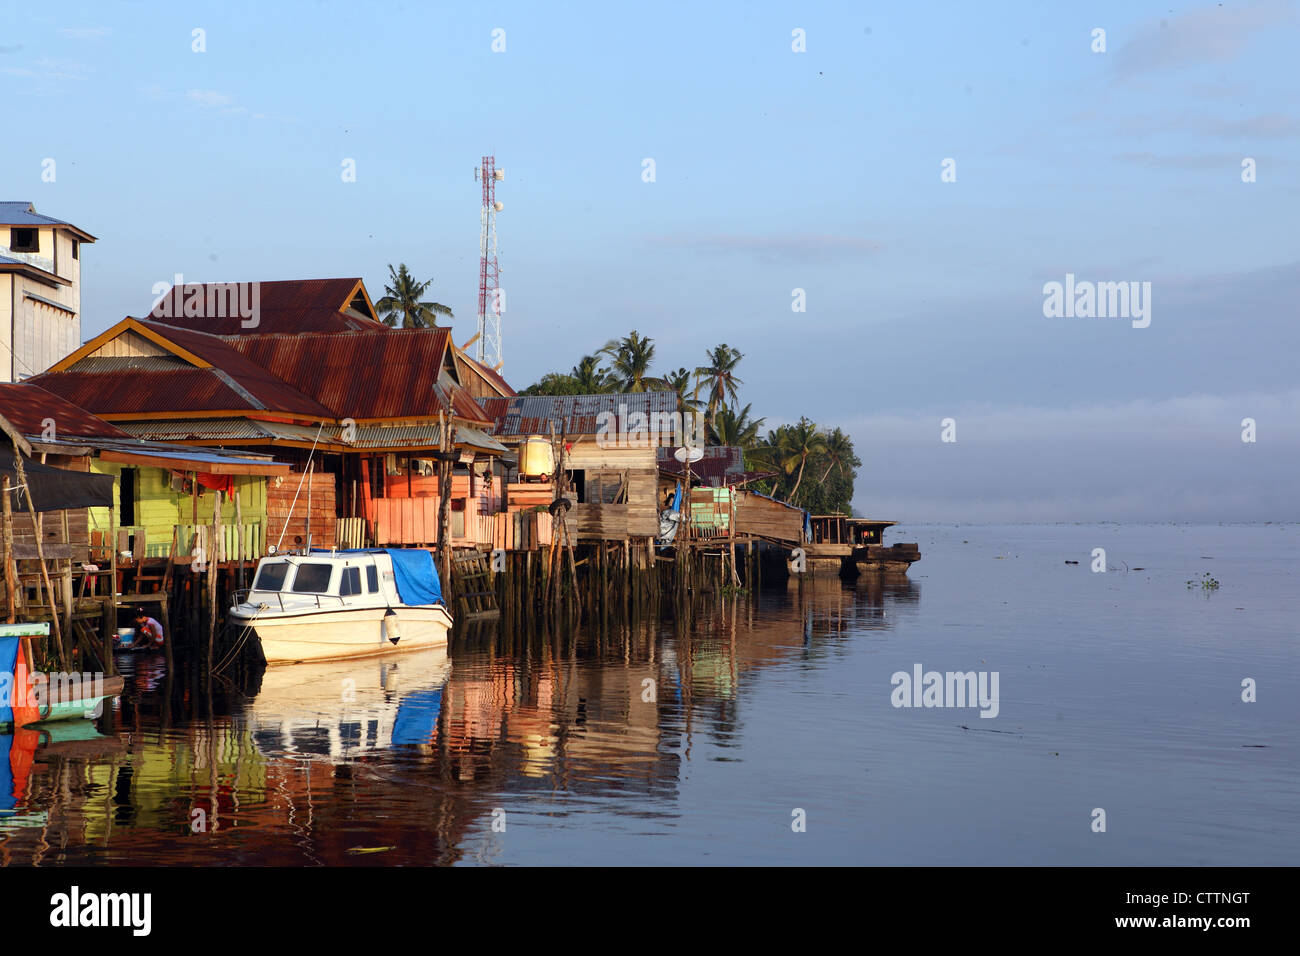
158, 508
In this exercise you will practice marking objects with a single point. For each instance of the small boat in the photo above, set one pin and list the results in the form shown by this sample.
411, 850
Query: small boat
330, 605
30, 699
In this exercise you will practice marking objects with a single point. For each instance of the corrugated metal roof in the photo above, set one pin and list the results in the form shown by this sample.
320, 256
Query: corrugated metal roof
181, 390
29, 406
24, 213
235, 430
287, 306
576, 414
396, 373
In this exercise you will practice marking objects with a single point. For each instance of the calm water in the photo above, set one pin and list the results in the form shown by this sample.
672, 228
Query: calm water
1120, 691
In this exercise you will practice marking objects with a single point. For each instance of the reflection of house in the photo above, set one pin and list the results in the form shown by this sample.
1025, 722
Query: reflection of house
611, 444
364, 405
40, 289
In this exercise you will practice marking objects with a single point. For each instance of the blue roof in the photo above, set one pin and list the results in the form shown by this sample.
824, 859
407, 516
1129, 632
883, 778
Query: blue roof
24, 214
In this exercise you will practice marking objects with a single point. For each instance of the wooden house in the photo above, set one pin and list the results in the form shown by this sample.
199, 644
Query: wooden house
610, 446
359, 411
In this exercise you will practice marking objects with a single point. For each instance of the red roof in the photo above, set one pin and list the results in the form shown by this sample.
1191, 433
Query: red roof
28, 407
294, 305
394, 373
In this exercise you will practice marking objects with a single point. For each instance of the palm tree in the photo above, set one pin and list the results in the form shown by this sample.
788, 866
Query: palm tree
402, 307
731, 427
839, 453
790, 447
720, 374
630, 358
680, 382
589, 377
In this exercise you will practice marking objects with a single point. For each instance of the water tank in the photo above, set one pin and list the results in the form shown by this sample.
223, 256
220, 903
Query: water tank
536, 457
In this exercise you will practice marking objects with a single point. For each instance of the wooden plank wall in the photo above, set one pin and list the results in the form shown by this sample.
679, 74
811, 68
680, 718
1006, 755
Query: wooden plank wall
75, 545
756, 515
323, 515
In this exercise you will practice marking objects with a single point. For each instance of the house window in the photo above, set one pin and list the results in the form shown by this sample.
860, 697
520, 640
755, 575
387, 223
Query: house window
127, 487
605, 488
76, 248
24, 240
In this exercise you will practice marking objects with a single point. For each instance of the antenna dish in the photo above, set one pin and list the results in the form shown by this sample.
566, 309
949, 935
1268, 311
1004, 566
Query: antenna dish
688, 453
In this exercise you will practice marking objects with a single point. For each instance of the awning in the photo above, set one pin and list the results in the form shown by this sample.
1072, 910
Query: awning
56, 489
202, 461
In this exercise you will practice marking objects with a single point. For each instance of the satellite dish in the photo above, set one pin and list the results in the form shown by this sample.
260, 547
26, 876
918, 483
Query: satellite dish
688, 453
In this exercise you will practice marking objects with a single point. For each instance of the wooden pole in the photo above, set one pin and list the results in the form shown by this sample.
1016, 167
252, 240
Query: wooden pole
40, 552
214, 563
239, 536
10, 565
307, 537
444, 492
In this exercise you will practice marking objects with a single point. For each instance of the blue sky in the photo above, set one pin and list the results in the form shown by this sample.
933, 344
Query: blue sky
775, 170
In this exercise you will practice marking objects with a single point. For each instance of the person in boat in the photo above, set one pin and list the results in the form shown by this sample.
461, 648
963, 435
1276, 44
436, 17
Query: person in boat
148, 632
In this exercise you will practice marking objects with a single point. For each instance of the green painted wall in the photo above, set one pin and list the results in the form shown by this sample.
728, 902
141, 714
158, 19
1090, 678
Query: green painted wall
158, 508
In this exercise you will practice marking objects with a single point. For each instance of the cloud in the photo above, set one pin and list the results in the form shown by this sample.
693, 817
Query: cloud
50, 69
790, 248
1210, 34
210, 98
1172, 459
1183, 161
86, 33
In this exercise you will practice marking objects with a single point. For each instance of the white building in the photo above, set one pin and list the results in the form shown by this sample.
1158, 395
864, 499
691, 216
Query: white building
40, 290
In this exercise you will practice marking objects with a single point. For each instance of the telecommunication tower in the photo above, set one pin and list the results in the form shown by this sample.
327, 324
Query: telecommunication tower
490, 297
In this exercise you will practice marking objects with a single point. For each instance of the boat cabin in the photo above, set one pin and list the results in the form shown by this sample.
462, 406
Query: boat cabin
311, 579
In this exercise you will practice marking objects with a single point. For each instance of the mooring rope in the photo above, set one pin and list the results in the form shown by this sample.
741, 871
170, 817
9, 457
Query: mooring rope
299, 491
233, 653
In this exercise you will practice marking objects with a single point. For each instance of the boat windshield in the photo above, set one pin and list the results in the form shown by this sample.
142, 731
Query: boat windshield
270, 576
313, 578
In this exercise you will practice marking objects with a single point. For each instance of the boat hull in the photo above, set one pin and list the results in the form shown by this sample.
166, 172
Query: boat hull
343, 633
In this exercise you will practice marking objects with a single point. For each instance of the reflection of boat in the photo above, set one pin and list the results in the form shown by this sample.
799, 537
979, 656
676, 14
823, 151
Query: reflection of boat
19, 749
335, 709
340, 604
28, 697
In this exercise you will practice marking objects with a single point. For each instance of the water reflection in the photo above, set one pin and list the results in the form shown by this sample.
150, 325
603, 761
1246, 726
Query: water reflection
403, 759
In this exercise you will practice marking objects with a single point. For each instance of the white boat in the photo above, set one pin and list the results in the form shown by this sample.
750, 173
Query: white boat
329, 605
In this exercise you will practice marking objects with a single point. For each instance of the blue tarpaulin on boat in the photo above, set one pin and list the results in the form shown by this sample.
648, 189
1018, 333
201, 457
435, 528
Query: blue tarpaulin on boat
414, 572
417, 717
8, 658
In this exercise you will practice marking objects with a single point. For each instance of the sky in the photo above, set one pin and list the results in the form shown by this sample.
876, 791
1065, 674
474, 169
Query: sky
919, 171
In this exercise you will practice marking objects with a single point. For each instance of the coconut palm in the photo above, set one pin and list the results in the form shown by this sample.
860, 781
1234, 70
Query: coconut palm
839, 454
789, 448
732, 427
403, 308
630, 359
680, 382
720, 377
589, 377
